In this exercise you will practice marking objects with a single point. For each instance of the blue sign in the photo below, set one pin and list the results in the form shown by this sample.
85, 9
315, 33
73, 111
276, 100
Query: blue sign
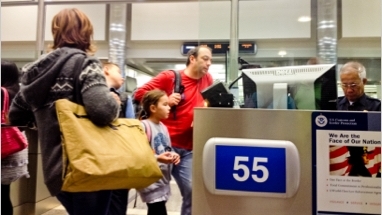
251, 169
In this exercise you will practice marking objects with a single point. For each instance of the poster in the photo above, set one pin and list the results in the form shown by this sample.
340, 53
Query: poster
346, 162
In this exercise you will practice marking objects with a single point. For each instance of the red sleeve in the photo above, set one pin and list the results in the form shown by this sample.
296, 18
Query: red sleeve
163, 81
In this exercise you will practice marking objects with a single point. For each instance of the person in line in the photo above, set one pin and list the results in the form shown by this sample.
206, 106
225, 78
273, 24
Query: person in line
13, 166
52, 77
156, 108
353, 80
195, 78
114, 80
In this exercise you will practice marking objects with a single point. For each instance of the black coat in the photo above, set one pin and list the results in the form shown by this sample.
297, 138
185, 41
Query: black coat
363, 103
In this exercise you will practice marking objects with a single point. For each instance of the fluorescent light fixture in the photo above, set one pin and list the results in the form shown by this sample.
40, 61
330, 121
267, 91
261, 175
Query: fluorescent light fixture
304, 19
282, 53
180, 66
217, 67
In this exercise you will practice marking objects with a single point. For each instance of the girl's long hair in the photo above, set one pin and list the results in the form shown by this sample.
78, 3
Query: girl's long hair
150, 98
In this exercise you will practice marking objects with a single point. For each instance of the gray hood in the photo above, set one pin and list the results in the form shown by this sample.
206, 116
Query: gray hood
39, 76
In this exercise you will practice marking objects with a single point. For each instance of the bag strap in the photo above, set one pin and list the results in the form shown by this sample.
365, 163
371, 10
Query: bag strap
4, 112
147, 130
77, 69
177, 81
178, 88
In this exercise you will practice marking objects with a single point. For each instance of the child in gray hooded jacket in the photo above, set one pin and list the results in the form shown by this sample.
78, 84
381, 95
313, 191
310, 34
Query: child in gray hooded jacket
155, 107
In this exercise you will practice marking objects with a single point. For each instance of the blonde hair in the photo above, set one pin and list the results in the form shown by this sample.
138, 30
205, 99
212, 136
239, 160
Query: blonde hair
72, 28
109, 65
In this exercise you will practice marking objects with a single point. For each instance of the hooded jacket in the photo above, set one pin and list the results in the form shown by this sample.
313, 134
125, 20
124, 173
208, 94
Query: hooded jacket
51, 78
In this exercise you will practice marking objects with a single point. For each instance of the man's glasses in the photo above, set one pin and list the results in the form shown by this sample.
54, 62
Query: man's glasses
352, 85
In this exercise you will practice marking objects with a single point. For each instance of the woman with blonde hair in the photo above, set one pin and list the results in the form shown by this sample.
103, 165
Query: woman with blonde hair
54, 77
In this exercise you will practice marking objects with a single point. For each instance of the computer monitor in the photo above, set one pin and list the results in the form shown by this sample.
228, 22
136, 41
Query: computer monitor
307, 87
130, 84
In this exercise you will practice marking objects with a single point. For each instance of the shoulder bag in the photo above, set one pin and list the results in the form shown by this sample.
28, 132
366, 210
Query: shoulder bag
12, 140
116, 156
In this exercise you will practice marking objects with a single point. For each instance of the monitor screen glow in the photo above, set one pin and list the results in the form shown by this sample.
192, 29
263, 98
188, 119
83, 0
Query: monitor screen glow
308, 87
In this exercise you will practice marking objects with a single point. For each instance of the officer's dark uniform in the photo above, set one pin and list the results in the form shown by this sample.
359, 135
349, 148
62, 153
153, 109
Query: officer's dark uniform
363, 103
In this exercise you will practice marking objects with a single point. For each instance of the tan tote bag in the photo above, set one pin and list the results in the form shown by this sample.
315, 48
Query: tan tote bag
95, 158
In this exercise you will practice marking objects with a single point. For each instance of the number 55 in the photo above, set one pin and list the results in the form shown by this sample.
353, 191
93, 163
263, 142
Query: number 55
255, 167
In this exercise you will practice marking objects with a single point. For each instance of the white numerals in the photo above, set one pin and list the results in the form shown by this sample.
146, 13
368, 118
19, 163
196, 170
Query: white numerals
238, 166
241, 163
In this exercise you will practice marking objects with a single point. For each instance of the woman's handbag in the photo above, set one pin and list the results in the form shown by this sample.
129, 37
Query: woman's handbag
116, 156
12, 140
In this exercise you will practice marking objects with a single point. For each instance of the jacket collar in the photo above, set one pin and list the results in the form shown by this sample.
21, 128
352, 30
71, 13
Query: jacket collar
362, 100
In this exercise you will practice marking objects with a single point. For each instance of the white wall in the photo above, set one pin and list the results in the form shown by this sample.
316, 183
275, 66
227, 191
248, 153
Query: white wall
158, 29
208, 20
95, 12
19, 23
211, 20
361, 18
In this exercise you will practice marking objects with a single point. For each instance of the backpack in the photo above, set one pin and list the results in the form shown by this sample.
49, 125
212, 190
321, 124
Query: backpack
149, 135
123, 96
147, 130
178, 88
136, 104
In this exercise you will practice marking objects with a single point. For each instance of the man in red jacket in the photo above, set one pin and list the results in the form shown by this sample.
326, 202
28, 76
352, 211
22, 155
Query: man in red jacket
194, 78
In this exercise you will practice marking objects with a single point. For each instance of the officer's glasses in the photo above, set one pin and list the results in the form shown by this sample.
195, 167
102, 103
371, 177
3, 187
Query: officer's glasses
351, 86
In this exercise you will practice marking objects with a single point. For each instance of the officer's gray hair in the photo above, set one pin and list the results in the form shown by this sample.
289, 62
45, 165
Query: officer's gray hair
357, 66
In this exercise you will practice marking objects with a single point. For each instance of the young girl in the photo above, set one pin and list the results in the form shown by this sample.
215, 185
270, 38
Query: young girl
155, 108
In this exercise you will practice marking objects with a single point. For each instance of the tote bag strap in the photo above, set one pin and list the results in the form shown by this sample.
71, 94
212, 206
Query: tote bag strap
5, 105
76, 77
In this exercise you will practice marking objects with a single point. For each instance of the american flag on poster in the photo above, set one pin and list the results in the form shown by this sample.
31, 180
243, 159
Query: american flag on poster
339, 160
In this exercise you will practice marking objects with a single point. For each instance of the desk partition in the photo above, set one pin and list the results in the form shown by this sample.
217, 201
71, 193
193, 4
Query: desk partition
243, 124
284, 162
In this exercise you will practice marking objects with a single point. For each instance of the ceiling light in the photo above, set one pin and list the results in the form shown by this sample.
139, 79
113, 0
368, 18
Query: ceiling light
217, 66
180, 66
304, 19
282, 53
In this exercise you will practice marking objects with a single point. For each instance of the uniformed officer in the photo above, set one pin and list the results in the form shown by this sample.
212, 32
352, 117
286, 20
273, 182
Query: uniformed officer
353, 80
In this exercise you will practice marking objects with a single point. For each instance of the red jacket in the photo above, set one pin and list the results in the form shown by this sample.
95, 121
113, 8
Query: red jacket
180, 129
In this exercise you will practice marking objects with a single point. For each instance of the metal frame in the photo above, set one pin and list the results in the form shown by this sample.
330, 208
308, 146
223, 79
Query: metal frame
59, 2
